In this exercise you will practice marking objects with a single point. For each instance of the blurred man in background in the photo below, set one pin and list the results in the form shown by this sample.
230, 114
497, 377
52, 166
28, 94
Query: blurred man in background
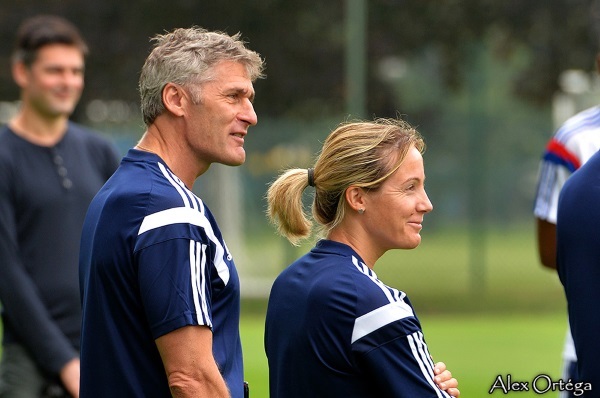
50, 169
568, 149
578, 261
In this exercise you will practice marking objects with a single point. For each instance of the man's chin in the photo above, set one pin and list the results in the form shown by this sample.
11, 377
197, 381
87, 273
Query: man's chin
64, 111
233, 162
236, 160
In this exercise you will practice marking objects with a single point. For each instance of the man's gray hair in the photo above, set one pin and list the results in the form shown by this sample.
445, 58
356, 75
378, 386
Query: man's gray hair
186, 56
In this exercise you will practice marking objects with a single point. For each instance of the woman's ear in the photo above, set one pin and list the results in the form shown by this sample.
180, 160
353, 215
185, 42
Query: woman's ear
356, 198
174, 97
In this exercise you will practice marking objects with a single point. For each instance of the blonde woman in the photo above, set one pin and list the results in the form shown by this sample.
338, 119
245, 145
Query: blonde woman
333, 329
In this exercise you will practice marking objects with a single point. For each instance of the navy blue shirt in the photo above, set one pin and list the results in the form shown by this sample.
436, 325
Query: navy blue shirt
333, 329
44, 195
152, 260
578, 263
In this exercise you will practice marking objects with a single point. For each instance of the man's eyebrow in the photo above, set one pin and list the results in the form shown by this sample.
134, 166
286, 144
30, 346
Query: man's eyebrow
251, 94
244, 91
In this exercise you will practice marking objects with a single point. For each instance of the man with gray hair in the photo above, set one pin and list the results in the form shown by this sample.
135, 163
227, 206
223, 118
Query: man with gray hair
160, 291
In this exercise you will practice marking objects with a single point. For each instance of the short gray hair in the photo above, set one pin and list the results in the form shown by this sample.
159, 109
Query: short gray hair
186, 56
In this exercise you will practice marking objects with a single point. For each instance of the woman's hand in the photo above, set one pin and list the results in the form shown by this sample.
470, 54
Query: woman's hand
443, 378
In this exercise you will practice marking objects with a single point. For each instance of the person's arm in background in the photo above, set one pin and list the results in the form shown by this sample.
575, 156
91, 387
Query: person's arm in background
578, 259
103, 153
189, 363
546, 242
111, 158
21, 303
551, 178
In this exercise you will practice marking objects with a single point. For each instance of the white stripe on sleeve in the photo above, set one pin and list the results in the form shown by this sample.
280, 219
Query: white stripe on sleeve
421, 354
194, 275
380, 317
202, 284
187, 215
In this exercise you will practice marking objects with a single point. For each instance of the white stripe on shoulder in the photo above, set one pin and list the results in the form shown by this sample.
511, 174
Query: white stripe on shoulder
173, 182
175, 215
187, 215
380, 317
196, 203
391, 293
423, 358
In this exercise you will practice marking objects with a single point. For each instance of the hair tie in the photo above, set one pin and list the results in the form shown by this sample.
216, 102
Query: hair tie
311, 177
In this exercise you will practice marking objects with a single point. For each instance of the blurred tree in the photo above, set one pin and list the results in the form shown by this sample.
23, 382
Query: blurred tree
303, 41
559, 34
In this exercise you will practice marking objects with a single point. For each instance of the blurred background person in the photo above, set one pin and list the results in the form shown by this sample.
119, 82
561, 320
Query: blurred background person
568, 149
50, 169
333, 329
578, 260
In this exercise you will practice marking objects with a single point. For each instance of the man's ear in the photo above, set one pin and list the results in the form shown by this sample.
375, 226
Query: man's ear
355, 197
174, 98
20, 73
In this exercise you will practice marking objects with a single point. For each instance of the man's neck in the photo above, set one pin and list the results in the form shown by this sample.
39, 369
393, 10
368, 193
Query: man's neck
160, 139
37, 129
